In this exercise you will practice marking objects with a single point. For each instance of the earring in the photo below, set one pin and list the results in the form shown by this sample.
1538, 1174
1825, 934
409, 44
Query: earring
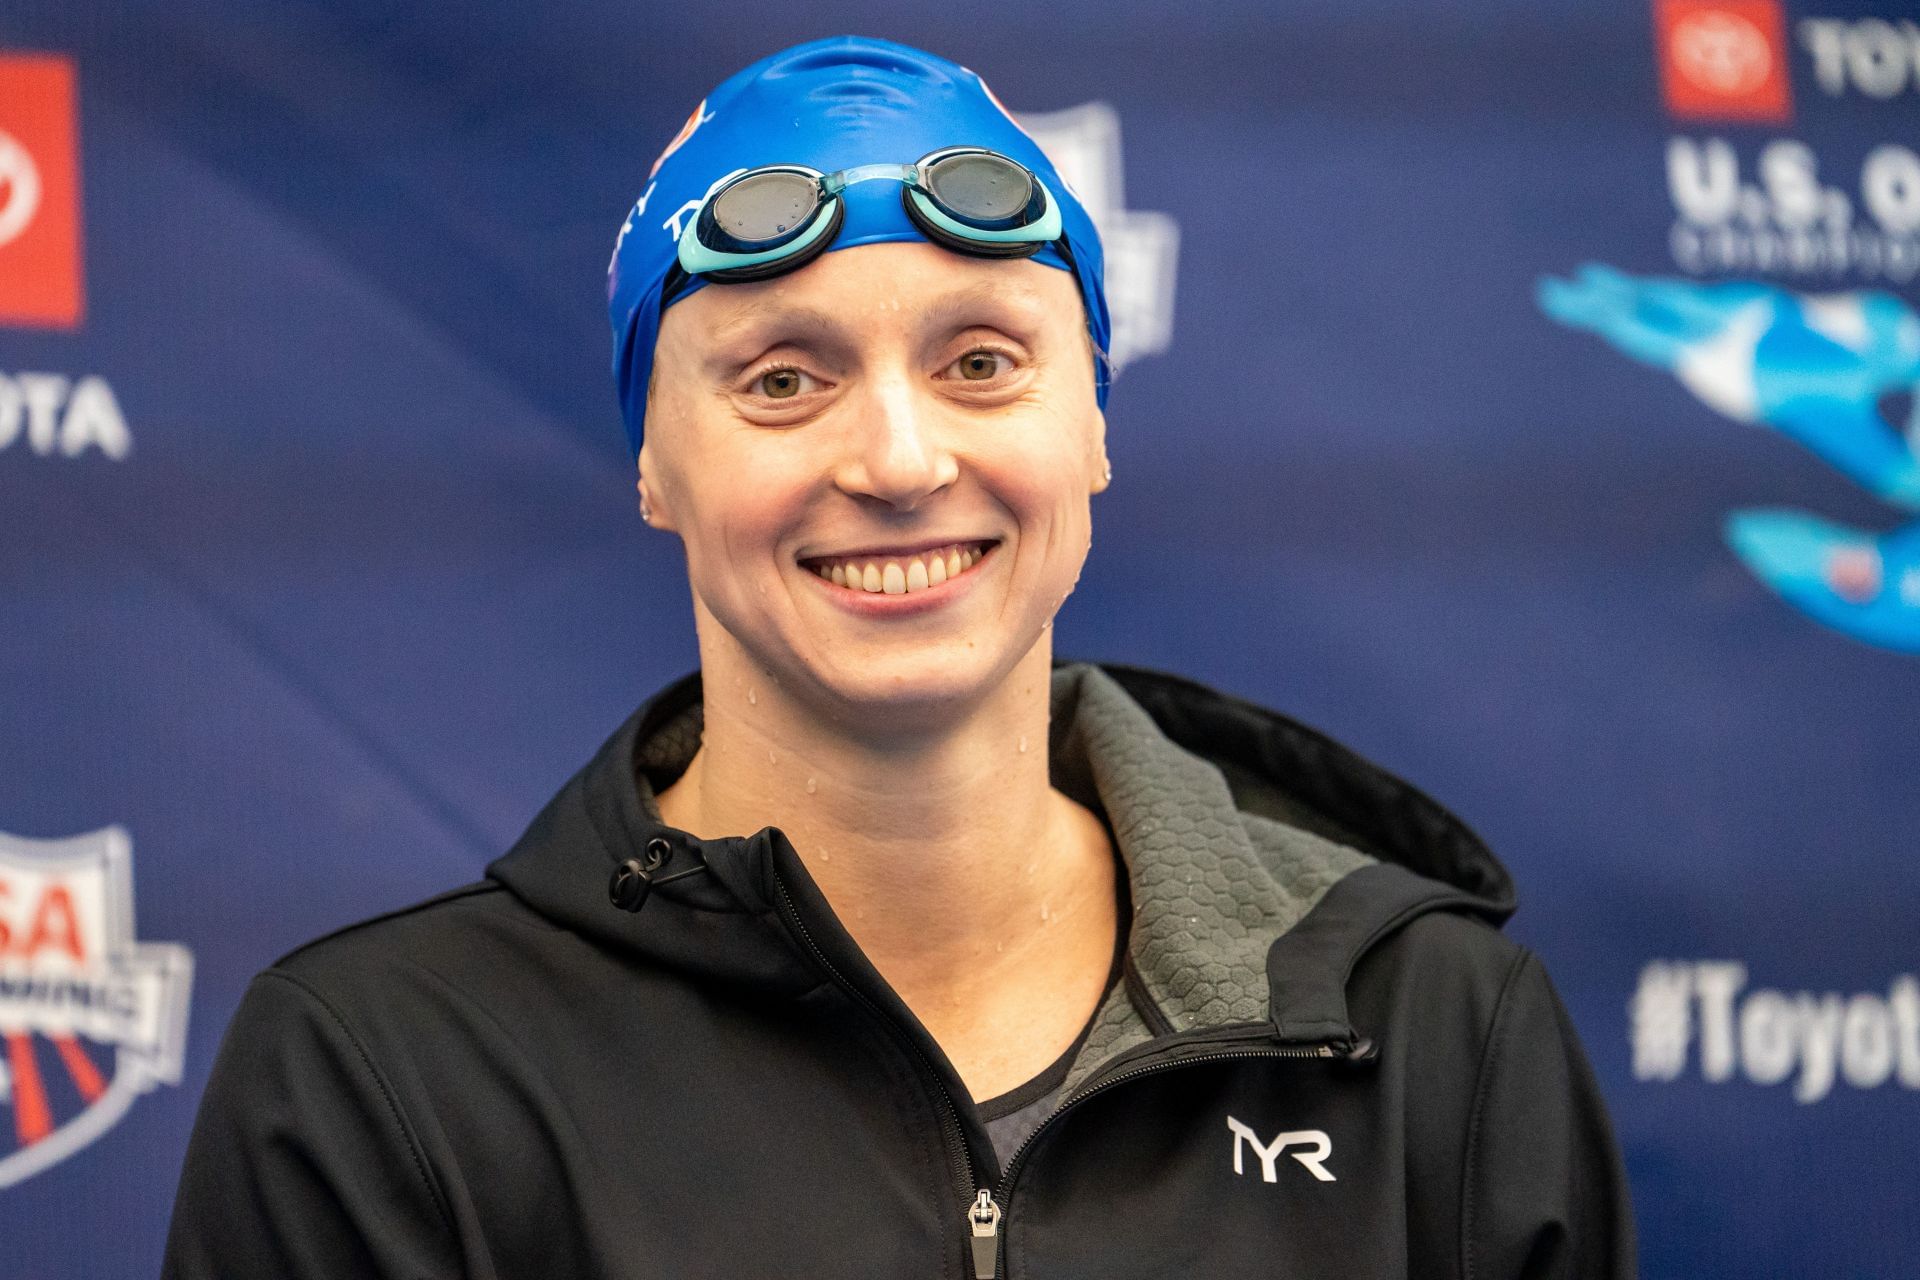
1108, 478
646, 512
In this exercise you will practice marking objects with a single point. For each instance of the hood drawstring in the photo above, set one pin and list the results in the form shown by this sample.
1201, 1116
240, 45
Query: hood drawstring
634, 879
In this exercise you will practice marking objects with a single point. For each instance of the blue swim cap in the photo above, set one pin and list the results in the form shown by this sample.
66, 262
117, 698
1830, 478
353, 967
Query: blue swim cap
830, 104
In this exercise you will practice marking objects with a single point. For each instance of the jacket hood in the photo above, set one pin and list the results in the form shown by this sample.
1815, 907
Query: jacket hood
1262, 858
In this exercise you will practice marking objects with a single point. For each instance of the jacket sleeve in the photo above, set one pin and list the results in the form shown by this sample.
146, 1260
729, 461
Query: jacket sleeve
302, 1164
1545, 1194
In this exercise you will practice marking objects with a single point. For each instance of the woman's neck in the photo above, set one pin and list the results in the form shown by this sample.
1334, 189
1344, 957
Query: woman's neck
948, 855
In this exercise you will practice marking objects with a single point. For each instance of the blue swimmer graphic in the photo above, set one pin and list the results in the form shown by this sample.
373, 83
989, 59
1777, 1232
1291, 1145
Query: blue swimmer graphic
1815, 367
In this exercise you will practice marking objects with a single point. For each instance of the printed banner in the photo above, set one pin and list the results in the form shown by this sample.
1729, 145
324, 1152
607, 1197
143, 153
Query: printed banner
1533, 405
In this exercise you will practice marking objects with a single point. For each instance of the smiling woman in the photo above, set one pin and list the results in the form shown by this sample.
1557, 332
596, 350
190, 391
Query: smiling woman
887, 944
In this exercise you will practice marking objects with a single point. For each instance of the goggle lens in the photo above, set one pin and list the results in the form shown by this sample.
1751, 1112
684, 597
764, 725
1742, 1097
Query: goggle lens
766, 206
983, 187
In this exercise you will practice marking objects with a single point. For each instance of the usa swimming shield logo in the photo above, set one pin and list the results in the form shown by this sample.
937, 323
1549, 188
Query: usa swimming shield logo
91, 1018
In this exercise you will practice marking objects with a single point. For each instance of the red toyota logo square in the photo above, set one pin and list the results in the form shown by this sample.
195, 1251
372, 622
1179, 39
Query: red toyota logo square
40, 282
1724, 60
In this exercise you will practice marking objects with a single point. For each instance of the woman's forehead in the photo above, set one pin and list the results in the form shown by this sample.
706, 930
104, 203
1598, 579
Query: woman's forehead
893, 284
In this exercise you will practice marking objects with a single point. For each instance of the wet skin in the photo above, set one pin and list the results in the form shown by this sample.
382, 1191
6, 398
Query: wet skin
881, 401
885, 397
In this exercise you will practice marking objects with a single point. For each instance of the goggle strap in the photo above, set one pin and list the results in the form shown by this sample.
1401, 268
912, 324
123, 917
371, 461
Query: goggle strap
834, 183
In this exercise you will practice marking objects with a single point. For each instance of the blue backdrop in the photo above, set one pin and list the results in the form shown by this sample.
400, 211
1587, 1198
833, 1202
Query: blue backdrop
1545, 374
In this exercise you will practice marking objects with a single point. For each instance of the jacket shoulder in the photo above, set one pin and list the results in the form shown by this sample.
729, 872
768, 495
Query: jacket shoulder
1461, 939
1506, 1130
459, 928
1443, 972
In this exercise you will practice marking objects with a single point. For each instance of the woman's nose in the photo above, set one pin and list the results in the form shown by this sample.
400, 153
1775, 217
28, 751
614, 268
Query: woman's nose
896, 451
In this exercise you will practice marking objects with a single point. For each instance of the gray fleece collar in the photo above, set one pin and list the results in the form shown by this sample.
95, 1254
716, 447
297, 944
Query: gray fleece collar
1213, 887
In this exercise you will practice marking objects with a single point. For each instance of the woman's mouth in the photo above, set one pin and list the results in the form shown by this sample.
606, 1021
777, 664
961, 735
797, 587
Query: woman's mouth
895, 575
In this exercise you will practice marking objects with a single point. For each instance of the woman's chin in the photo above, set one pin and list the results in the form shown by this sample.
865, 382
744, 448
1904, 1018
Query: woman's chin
901, 686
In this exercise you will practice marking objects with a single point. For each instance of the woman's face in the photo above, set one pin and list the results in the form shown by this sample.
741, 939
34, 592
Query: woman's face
880, 466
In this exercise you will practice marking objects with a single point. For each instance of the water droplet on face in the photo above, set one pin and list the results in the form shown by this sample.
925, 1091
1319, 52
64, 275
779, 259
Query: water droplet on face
772, 758
810, 787
753, 698
1023, 742
1044, 912
825, 856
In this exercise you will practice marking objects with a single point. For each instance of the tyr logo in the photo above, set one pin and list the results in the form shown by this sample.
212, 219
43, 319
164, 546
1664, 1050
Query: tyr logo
1321, 1144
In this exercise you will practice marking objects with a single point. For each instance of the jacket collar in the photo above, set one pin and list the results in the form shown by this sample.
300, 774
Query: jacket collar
1235, 824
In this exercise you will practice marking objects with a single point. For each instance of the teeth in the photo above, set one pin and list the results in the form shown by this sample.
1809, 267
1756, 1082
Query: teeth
901, 576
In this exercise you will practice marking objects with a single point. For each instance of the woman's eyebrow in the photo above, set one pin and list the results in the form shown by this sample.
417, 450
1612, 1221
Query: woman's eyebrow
986, 294
751, 326
801, 321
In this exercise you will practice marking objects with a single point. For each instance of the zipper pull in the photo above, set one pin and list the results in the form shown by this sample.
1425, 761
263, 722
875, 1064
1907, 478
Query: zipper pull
984, 1217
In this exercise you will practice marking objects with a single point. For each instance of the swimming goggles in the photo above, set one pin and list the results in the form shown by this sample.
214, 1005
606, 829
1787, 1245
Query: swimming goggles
779, 217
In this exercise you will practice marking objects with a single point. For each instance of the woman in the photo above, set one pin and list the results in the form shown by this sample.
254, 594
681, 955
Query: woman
886, 945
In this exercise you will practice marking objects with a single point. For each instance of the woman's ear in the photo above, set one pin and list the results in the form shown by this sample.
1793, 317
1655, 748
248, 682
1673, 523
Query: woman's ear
652, 510
1103, 466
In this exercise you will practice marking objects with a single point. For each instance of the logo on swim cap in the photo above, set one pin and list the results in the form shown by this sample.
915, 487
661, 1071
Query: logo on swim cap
699, 117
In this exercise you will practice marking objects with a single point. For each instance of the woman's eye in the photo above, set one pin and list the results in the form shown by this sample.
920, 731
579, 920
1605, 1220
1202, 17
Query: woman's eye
980, 365
780, 384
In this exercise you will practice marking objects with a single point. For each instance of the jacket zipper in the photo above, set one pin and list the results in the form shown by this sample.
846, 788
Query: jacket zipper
989, 1206
955, 1135
984, 1210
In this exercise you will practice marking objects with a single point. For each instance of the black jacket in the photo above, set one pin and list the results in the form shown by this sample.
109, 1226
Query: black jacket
1324, 1060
